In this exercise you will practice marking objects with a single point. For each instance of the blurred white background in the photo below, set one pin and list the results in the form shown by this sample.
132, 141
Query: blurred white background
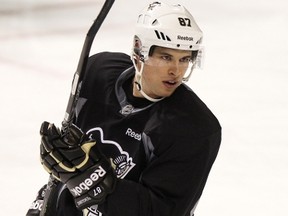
244, 82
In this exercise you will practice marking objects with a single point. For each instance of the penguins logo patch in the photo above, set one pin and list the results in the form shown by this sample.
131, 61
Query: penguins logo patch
120, 159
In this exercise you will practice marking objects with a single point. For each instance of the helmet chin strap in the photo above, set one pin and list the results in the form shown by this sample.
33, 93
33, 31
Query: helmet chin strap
138, 82
186, 79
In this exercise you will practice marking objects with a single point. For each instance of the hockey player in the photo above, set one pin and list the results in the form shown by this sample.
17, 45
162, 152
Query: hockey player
142, 142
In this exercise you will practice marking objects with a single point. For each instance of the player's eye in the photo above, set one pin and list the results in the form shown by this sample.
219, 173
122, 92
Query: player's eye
185, 59
166, 57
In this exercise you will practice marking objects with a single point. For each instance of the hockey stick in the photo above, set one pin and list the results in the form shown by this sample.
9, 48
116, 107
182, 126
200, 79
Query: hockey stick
80, 72
50, 197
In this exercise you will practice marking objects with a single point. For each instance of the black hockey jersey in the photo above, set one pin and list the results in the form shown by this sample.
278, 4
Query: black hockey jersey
162, 151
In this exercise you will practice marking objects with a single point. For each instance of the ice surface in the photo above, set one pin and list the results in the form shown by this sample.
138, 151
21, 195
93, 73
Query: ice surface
244, 82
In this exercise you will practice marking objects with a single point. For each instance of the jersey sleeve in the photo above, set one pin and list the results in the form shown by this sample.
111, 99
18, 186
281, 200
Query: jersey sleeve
102, 70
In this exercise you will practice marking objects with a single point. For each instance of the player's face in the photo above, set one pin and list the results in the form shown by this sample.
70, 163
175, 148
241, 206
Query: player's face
164, 70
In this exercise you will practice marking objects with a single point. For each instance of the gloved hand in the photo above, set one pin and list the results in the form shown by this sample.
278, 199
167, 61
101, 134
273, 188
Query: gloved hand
80, 164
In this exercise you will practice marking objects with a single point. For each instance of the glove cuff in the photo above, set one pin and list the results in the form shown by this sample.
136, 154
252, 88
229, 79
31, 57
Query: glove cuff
94, 185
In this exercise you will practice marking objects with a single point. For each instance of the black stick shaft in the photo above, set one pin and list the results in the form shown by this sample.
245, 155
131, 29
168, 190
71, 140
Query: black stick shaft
80, 72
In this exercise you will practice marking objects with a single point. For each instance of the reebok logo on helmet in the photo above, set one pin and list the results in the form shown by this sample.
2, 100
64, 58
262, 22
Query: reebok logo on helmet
186, 38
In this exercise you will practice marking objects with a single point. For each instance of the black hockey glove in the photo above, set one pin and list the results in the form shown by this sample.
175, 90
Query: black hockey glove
80, 164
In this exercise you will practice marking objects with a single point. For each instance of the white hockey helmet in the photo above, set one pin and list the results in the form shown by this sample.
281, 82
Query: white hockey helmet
164, 25
168, 26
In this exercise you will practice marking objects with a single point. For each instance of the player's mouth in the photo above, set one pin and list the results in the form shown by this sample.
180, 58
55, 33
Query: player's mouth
170, 83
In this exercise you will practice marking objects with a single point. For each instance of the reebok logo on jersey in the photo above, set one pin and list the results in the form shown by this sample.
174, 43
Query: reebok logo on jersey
133, 134
88, 182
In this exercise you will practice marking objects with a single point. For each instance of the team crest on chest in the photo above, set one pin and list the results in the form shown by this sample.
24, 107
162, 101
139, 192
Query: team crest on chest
121, 160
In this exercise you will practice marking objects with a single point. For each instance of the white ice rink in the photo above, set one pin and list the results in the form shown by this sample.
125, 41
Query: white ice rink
244, 82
